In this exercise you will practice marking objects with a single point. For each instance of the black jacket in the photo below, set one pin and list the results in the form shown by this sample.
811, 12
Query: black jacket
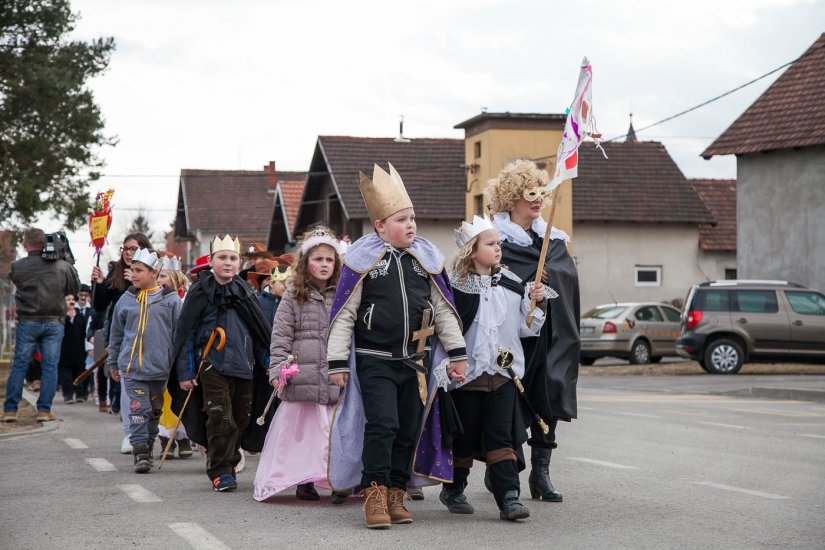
394, 295
42, 287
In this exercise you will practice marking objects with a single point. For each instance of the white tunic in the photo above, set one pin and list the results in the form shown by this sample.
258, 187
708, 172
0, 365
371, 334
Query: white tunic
499, 323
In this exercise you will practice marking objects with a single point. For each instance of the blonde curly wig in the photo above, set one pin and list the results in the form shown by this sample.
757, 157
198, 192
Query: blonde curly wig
508, 187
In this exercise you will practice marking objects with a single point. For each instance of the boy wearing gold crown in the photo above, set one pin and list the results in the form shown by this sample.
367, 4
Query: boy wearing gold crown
229, 382
140, 347
392, 292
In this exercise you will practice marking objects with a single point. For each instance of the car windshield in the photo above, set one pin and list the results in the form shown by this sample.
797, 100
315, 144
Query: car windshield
604, 312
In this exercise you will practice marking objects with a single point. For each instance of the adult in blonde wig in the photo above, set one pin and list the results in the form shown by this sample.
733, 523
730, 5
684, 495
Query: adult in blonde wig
552, 358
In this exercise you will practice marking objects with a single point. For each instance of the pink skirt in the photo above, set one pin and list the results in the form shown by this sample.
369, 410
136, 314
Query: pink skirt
295, 450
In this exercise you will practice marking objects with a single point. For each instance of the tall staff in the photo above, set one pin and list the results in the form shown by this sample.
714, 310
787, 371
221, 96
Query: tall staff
580, 124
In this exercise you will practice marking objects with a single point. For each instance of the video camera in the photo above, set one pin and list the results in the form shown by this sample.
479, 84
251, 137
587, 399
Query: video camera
57, 247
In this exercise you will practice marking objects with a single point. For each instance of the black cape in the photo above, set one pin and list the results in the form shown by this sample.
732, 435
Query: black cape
552, 358
240, 296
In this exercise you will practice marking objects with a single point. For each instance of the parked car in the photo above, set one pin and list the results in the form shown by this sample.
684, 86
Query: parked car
726, 323
639, 332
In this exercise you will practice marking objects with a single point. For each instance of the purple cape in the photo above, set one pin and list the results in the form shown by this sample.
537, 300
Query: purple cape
431, 462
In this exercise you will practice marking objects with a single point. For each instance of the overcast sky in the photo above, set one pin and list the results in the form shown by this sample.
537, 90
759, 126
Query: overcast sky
235, 84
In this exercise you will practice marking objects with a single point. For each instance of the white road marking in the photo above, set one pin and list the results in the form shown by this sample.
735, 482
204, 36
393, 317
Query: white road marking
816, 436
640, 415
139, 493
735, 426
586, 408
741, 490
603, 463
197, 537
101, 465
75, 443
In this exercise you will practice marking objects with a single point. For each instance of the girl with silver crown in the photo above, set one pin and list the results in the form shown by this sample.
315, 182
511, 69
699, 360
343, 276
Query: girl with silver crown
296, 446
493, 304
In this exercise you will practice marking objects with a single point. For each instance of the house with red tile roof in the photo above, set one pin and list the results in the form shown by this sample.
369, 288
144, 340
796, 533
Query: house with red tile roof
637, 224
432, 171
719, 241
779, 143
212, 202
288, 192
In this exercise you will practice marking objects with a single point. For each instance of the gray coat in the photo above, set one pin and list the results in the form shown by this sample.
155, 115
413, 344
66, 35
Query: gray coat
164, 308
302, 331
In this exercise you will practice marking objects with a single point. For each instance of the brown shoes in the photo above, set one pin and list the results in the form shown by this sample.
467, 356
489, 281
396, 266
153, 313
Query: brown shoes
375, 507
44, 416
398, 512
9, 417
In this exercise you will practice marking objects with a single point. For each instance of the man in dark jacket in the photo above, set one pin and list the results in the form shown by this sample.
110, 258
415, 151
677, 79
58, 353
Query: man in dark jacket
42, 286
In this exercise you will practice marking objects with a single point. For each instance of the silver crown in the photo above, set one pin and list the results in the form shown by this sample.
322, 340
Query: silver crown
469, 231
172, 264
149, 259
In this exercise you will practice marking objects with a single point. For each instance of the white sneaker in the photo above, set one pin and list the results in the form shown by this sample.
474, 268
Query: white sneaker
125, 446
239, 468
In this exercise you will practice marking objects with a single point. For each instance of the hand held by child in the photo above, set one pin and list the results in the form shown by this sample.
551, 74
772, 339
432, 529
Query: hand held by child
455, 370
340, 379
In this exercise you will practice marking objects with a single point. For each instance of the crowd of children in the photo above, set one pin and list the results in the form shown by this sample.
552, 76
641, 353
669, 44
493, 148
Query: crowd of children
367, 370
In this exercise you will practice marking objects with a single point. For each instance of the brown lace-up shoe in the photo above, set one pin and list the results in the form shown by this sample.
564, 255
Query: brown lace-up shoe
398, 512
375, 507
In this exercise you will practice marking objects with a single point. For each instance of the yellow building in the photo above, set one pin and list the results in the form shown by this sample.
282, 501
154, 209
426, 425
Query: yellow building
491, 140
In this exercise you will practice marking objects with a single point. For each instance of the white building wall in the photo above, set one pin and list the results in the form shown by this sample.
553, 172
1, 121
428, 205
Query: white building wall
607, 254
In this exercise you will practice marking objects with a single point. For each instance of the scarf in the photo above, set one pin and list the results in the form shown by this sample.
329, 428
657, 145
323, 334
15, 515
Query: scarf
143, 317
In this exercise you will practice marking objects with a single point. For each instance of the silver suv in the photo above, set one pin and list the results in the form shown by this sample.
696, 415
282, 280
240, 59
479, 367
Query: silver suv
725, 323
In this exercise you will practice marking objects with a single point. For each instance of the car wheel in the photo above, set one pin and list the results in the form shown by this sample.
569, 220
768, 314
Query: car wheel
587, 361
640, 354
655, 359
724, 356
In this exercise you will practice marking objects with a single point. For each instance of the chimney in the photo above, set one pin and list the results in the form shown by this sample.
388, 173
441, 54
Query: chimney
272, 179
401, 138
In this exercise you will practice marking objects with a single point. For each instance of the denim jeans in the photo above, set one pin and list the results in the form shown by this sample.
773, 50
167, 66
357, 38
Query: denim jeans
31, 334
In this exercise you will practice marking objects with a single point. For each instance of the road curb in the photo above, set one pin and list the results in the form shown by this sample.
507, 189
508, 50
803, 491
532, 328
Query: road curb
793, 394
46, 427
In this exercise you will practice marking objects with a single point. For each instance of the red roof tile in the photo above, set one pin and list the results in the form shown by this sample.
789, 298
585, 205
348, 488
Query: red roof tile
639, 182
791, 112
227, 201
720, 198
431, 169
291, 193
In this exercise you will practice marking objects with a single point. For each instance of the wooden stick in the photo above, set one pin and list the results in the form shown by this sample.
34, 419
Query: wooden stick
219, 333
543, 255
88, 372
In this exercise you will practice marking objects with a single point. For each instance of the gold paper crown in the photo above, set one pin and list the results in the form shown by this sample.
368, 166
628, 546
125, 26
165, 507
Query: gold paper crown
384, 194
225, 243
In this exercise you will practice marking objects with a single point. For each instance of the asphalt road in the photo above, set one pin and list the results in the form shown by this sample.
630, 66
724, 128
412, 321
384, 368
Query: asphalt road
643, 467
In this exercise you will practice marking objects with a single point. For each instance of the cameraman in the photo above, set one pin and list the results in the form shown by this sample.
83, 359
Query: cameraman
41, 307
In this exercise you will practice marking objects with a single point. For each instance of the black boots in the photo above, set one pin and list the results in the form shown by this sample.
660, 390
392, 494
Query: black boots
306, 491
452, 494
511, 508
540, 484
143, 458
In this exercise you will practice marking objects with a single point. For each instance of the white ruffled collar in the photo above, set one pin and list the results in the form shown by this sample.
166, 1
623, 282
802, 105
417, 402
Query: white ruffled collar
514, 233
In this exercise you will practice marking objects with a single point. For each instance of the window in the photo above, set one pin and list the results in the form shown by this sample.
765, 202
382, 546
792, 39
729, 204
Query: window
756, 301
807, 303
649, 313
712, 300
477, 149
648, 275
673, 315
479, 204
604, 312
730, 274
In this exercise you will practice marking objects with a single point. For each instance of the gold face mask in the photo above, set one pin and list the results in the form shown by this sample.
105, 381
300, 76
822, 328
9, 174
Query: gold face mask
533, 194
280, 273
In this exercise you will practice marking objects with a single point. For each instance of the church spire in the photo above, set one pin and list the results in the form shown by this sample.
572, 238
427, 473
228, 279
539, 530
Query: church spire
631, 133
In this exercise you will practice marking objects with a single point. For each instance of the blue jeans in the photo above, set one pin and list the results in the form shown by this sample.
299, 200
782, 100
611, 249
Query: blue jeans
31, 334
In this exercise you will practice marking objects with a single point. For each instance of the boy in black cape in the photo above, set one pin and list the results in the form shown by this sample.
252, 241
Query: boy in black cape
233, 385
